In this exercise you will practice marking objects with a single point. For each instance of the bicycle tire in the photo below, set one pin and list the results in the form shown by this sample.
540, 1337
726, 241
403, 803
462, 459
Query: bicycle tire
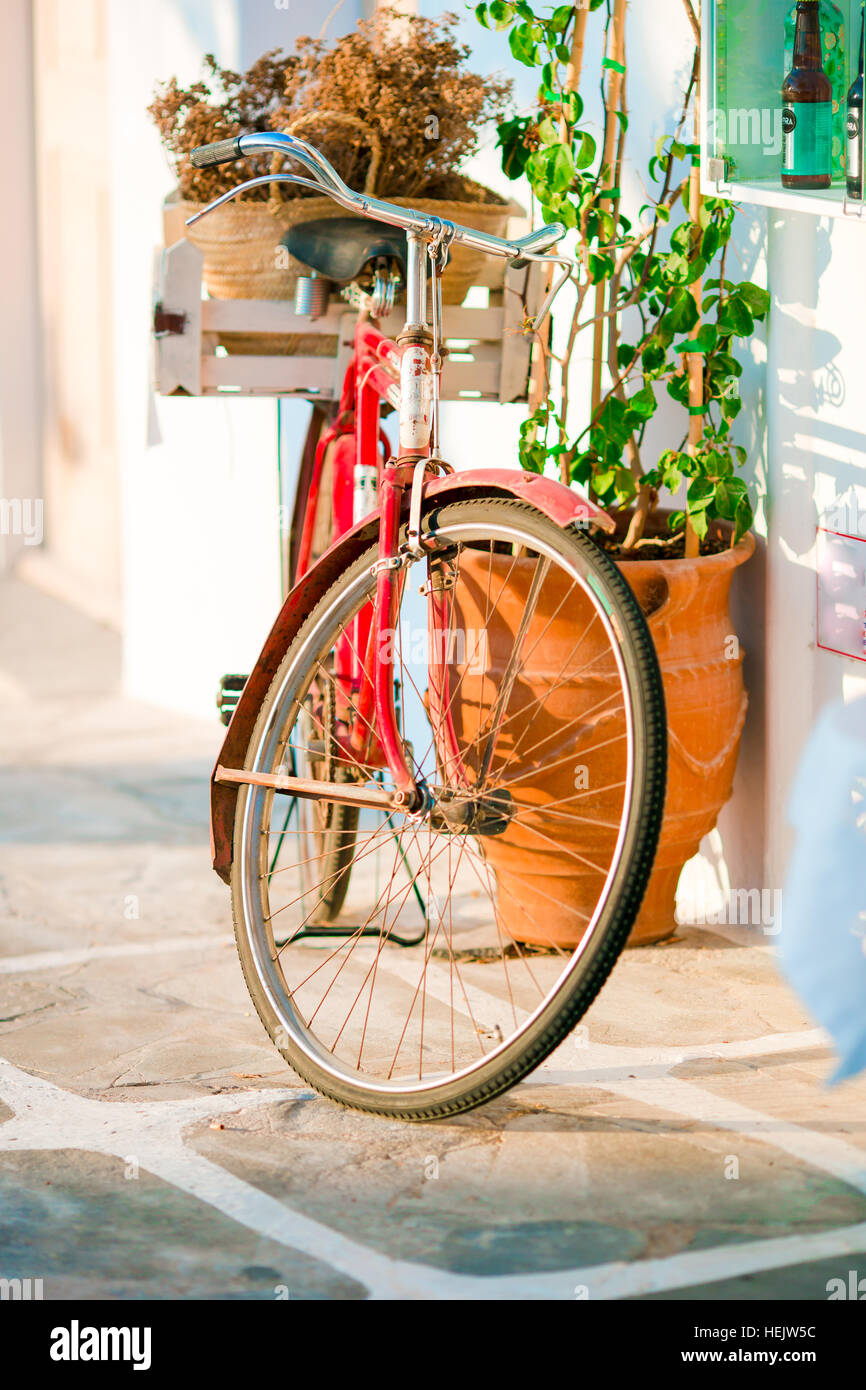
587, 974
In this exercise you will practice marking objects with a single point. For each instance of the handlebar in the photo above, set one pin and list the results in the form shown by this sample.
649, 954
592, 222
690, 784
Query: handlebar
223, 152
328, 181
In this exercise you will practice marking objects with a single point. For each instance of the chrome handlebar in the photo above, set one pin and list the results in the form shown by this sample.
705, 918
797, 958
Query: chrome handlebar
325, 179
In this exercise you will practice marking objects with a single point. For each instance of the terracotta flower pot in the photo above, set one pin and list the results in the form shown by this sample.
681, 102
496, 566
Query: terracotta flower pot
545, 894
702, 667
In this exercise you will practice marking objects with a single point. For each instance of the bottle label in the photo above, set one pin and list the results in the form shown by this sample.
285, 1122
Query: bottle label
806, 129
854, 143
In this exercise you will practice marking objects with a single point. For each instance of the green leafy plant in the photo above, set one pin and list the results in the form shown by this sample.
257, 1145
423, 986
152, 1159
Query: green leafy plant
654, 292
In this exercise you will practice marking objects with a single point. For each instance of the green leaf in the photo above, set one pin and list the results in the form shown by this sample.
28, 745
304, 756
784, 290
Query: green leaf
560, 19
604, 480
678, 388
612, 420
677, 269
522, 45
501, 13
643, 403
626, 486
653, 357
551, 169
731, 405
744, 519
683, 314
726, 365
757, 301
681, 238
703, 341
669, 466
700, 495
728, 496
587, 152
710, 242
581, 469
696, 270
735, 317
600, 267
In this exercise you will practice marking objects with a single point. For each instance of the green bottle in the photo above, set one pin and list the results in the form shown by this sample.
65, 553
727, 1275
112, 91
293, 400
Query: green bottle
807, 108
855, 122
834, 48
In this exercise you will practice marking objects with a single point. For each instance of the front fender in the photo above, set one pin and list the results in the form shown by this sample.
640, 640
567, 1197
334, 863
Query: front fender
552, 498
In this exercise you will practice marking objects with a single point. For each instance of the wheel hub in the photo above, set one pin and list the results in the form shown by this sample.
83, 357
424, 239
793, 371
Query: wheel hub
460, 812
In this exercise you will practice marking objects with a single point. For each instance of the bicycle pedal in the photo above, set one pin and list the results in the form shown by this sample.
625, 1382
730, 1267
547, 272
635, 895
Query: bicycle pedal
228, 694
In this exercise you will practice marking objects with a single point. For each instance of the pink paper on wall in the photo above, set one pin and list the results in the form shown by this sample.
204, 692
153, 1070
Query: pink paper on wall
841, 572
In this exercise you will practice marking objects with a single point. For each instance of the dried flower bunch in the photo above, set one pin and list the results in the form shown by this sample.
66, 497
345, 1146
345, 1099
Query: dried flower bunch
403, 77
220, 105
406, 80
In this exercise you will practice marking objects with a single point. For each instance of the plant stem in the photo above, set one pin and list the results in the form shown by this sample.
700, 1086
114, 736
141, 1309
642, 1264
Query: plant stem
539, 381
616, 53
696, 361
575, 62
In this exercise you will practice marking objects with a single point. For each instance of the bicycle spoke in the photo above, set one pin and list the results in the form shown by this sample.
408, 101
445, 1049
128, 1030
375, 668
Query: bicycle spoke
463, 917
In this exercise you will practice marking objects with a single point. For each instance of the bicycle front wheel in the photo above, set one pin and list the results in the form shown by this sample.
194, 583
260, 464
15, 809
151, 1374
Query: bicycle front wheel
473, 935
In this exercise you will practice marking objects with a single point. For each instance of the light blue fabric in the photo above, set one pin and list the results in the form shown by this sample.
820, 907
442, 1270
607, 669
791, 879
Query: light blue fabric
822, 944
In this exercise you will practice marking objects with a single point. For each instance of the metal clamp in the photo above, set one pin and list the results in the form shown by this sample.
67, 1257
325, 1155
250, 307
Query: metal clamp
391, 562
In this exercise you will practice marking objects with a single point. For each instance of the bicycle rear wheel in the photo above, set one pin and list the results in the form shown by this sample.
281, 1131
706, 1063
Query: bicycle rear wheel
532, 710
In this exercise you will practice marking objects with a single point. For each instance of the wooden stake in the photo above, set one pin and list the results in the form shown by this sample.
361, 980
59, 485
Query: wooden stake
539, 378
616, 54
695, 359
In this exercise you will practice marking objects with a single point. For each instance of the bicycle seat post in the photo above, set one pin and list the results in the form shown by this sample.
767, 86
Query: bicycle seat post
416, 287
415, 342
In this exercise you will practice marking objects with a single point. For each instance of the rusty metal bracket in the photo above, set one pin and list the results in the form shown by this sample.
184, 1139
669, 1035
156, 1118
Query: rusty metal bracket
341, 793
166, 324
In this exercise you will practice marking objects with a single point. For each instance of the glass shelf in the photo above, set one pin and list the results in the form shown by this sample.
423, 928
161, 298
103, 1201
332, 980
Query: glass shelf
744, 65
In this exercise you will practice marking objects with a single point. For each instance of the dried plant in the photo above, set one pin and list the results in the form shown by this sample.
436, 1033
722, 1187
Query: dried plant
406, 79
402, 77
221, 105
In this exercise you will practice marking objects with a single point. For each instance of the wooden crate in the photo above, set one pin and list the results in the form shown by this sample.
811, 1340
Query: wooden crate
489, 356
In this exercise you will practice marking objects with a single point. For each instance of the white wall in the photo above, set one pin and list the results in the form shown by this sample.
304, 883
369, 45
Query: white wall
816, 433
20, 369
201, 542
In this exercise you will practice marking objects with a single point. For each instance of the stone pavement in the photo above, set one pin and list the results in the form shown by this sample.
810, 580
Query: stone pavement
681, 1144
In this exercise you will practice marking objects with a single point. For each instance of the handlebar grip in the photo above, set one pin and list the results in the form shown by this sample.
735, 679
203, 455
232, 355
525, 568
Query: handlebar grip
223, 152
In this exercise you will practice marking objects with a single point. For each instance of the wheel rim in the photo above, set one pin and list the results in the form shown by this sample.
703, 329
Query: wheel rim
412, 1023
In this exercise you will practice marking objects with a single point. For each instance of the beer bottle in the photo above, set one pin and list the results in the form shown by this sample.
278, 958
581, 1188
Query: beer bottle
806, 107
855, 123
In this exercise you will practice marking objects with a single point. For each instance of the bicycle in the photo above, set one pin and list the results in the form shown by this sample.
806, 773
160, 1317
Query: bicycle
407, 742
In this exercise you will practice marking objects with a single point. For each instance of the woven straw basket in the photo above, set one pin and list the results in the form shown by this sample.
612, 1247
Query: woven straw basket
244, 260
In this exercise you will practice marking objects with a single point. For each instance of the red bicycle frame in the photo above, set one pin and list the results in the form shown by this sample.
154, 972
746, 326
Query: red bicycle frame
399, 374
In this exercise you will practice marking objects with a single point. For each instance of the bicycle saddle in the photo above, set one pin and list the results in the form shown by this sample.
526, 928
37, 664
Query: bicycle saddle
340, 247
